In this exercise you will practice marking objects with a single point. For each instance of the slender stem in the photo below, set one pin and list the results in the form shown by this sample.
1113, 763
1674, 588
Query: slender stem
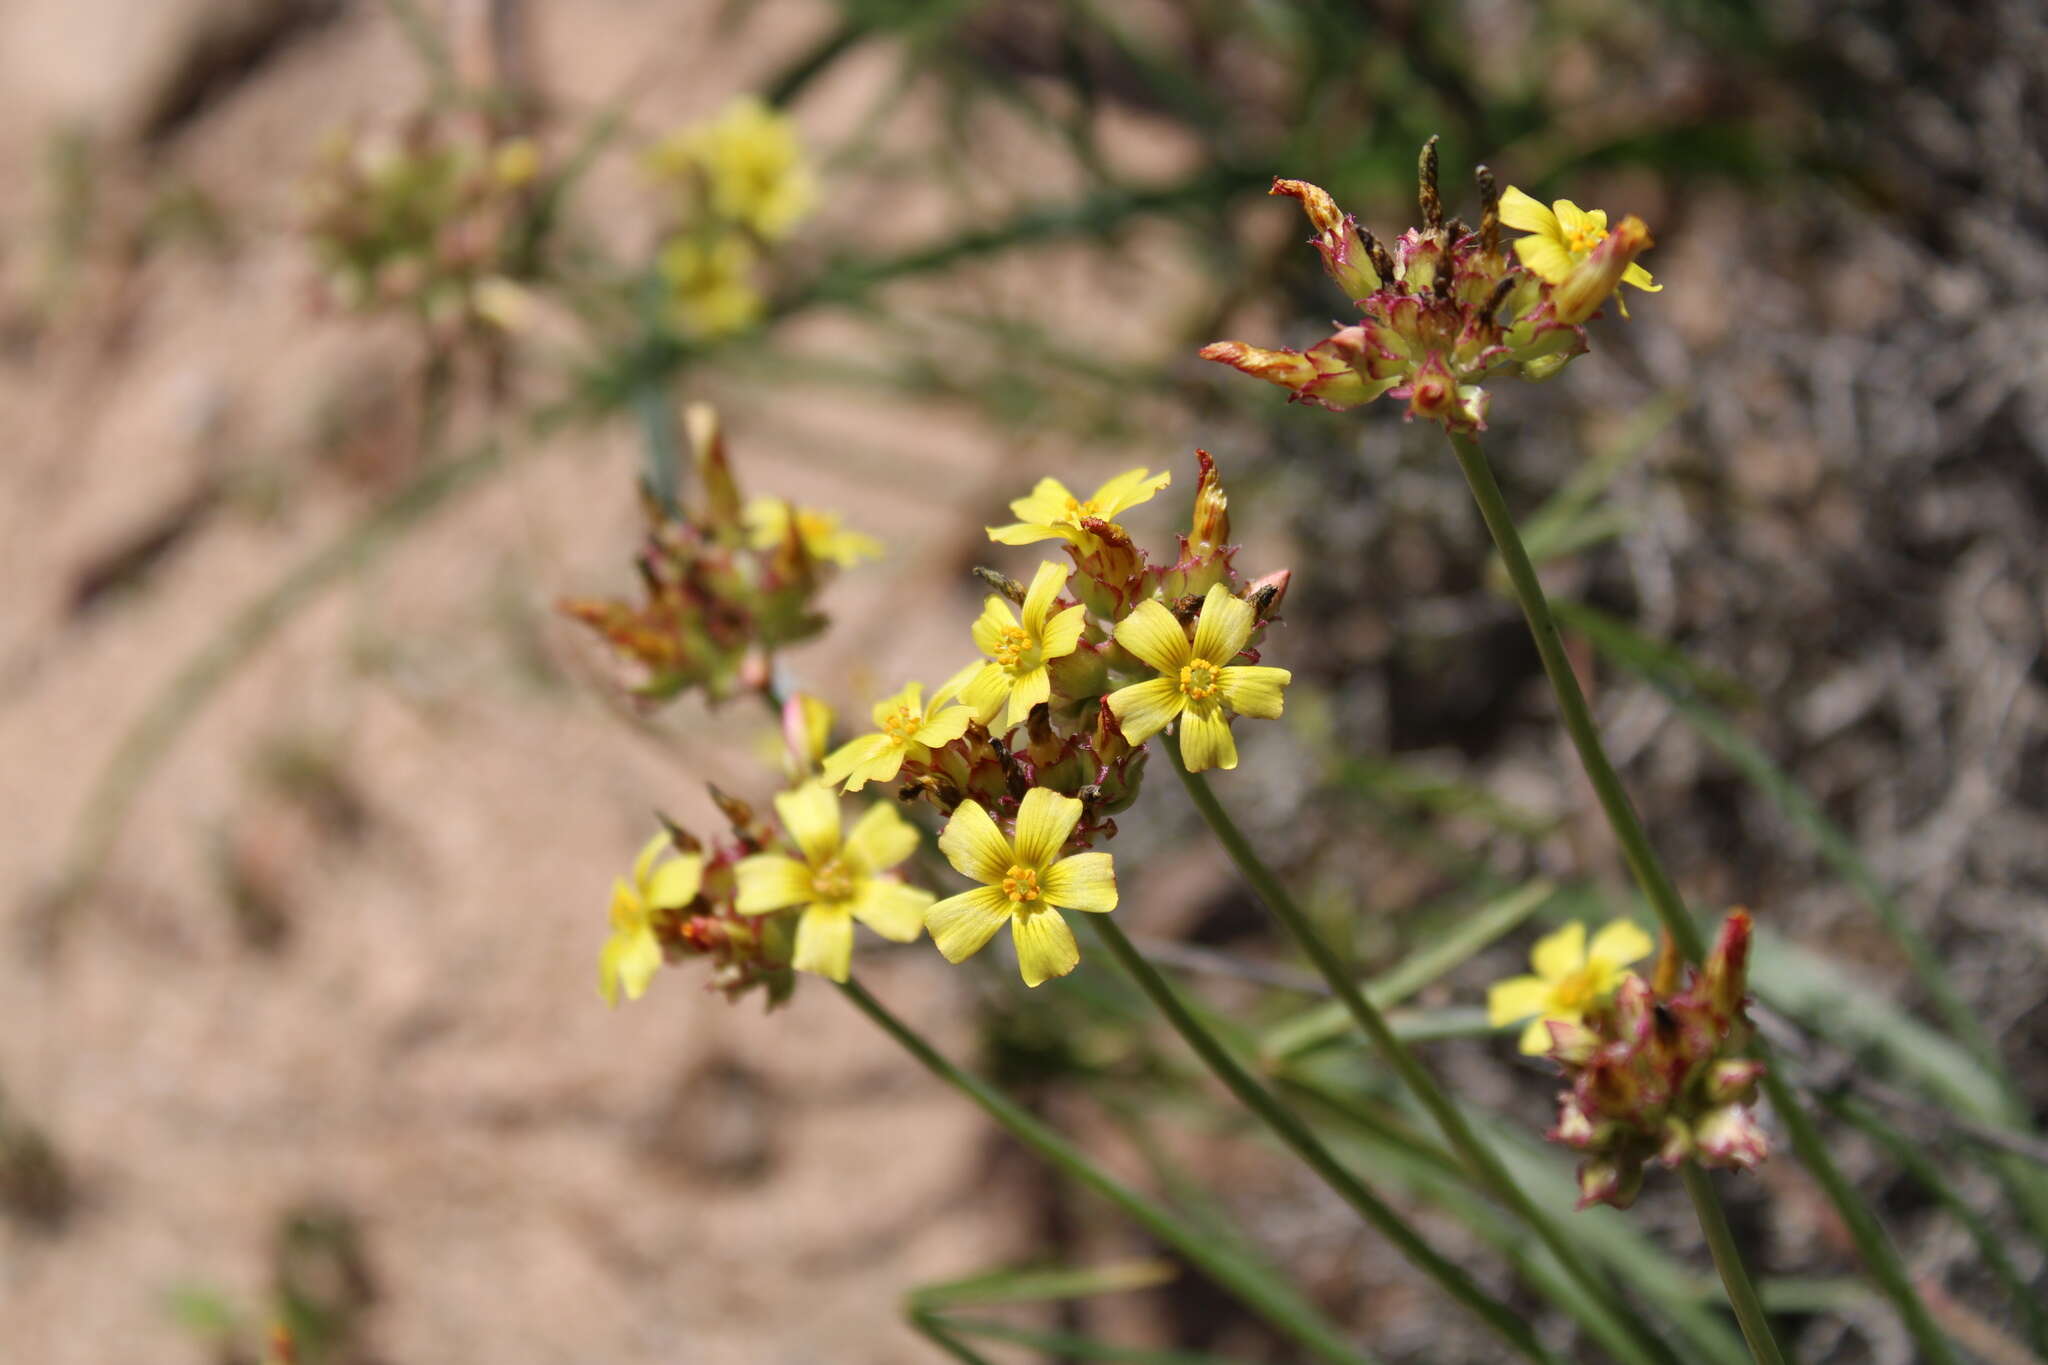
1290, 1129
1480, 1160
1571, 701
1881, 1258
1257, 1291
1749, 1309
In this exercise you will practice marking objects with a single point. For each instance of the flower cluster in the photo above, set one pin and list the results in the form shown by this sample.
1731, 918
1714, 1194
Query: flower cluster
724, 585
1447, 309
1654, 1072
424, 220
737, 184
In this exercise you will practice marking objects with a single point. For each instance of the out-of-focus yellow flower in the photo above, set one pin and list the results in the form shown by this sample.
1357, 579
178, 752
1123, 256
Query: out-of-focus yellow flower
1024, 882
515, 162
1571, 978
836, 881
825, 540
1562, 237
711, 283
905, 728
632, 955
1050, 512
1018, 652
1197, 681
752, 164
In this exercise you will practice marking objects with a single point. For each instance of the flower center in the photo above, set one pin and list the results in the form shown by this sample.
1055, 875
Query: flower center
1015, 645
1020, 884
1076, 510
834, 881
1198, 679
1584, 238
901, 726
1577, 992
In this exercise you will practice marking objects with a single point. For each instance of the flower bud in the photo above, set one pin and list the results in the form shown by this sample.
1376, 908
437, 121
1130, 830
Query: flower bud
806, 727
1320, 375
1212, 511
1344, 255
722, 507
1731, 1136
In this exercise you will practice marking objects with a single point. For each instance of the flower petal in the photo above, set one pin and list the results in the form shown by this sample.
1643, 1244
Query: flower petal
961, 924
1224, 625
1573, 220
1641, 279
1045, 820
629, 961
1039, 597
1045, 504
1024, 533
1546, 260
643, 861
846, 765
1086, 881
1062, 633
1152, 633
769, 882
1126, 490
996, 618
891, 909
1045, 946
1143, 709
1205, 740
811, 815
1619, 943
676, 882
974, 846
880, 839
943, 727
1556, 956
1535, 1040
1254, 689
824, 942
1518, 997
952, 687
1026, 691
986, 692
1526, 214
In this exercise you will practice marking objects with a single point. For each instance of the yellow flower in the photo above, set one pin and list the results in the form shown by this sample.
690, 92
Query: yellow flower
752, 164
1019, 652
1564, 235
1571, 978
632, 955
1052, 513
905, 729
1196, 680
825, 540
836, 881
711, 284
1022, 883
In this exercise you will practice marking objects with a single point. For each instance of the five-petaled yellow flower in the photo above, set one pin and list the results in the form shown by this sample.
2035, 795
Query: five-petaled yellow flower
906, 728
752, 164
1197, 681
632, 955
1019, 652
836, 881
824, 539
1571, 978
1563, 235
1050, 512
1023, 881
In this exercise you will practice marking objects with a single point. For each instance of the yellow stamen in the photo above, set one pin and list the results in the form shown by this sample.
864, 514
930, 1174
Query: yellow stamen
901, 726
1017, 642
833, 882
1020, 884
1076, 510
1584, 238
1198, 679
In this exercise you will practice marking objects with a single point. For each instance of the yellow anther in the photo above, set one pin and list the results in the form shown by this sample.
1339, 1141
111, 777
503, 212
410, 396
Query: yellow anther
834, 881
1020, 884
1584, 238
1198, 679
903, 725
1016, 643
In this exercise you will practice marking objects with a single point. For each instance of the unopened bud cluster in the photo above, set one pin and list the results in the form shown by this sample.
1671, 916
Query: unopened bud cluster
723, 583
1448, 308
1658, 1074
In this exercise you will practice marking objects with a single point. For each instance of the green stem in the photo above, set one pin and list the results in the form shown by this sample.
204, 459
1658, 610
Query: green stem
1251, 1287
1481, 1160
1291, 1130
1879, 1256
1749, 1310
